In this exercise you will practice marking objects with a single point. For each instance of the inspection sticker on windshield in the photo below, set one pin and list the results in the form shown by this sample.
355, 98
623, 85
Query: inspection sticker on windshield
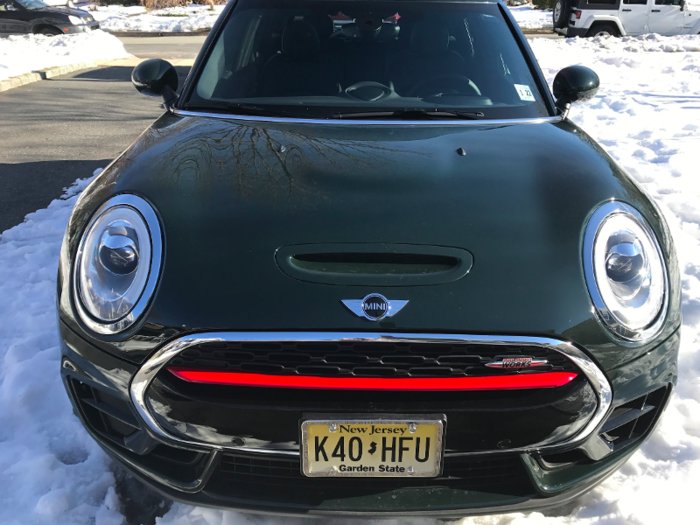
524, 92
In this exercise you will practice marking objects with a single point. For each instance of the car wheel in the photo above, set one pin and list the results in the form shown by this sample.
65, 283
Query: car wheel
603, 30
559, 13
50, 31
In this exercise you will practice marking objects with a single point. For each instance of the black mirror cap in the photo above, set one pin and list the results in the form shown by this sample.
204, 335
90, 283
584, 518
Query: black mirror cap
575, 84
155, 78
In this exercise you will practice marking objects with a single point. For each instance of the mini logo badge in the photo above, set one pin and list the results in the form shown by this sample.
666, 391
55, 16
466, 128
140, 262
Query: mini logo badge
374, 307
517, 362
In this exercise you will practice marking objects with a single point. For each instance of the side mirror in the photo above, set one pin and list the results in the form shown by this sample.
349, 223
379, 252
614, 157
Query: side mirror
156, 78
574, 84
682, 4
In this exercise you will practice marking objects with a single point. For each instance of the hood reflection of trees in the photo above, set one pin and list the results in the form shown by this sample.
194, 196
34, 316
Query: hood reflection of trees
201, 155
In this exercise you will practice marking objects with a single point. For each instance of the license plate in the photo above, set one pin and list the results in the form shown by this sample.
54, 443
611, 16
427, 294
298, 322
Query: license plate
371, 448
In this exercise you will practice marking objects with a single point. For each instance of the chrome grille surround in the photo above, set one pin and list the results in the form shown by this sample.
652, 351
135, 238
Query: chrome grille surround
148, 371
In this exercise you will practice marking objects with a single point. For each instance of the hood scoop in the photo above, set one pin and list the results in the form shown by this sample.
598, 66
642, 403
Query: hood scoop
374, 264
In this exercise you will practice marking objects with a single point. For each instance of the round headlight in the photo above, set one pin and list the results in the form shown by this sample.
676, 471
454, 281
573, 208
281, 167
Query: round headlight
117, 264
625, 271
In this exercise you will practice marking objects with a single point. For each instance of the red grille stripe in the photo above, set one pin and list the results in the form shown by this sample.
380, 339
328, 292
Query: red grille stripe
509, 382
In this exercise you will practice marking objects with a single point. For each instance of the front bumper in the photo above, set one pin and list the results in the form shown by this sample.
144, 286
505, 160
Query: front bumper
269, 481
571, 32
84, 28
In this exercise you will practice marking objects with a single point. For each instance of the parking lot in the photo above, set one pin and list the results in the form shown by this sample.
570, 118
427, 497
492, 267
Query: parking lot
64, 128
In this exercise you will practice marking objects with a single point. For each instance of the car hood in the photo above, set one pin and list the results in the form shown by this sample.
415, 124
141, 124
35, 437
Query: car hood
64, 11
230, 194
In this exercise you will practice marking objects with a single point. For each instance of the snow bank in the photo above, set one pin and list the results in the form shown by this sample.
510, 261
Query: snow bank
646, 116
50, 470
25, 53
172, 20
104, 12
528, 17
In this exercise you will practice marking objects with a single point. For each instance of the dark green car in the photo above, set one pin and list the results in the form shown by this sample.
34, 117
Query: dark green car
364, 265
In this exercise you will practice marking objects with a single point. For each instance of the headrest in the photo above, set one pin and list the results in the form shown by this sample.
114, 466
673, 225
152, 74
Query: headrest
430, 38
300, 41
321, 23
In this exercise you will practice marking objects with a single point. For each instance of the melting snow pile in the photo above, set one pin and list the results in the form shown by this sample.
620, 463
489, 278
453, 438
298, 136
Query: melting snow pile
647, 116
529, 17
171, 20
21, 54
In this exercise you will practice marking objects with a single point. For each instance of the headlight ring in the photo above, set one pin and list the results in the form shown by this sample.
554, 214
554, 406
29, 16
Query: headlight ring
117, 264
625, 272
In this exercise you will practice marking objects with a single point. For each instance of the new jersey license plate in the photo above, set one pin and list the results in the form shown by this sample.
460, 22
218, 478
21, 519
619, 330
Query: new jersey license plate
371, 448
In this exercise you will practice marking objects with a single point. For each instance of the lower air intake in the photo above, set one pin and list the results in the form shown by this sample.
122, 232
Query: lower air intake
257, 476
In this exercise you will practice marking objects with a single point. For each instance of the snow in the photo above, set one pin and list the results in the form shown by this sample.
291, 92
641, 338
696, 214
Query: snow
171, 20
25, 53
646, 116
529, 17
104, 12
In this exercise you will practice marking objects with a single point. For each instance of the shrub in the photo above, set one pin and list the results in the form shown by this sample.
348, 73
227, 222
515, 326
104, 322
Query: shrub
150, 5
116, 2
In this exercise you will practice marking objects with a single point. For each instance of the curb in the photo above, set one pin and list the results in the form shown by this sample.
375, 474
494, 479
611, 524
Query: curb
36, 76
539, 31
198, 32
45, 74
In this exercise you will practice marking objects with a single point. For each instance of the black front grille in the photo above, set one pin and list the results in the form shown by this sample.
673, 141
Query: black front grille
502, 474
359, 359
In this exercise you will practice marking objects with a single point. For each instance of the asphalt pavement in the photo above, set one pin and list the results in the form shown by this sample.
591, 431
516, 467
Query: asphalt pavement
58, 130
168, 47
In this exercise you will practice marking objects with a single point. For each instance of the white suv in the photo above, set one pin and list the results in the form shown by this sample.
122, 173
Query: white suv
625, 17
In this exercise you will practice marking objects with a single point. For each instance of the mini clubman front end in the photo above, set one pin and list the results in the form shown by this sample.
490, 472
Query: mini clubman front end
365, 266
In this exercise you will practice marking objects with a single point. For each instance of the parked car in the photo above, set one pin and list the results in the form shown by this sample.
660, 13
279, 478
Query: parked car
34, 16
627, 17
368, 271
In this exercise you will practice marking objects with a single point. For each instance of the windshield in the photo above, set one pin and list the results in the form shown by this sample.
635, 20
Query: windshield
32, 5
373, 59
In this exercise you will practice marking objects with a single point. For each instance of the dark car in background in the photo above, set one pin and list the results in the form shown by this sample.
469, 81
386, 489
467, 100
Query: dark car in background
36, 17
364, 265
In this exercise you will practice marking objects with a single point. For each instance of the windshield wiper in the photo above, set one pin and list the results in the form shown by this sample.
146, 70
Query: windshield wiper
242, 109
412, 114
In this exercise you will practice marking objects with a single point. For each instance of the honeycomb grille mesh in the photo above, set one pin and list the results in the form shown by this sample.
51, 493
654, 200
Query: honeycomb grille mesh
364, 359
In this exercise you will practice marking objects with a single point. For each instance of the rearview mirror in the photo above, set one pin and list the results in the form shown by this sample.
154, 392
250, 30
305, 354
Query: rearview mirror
574, 84
156, 78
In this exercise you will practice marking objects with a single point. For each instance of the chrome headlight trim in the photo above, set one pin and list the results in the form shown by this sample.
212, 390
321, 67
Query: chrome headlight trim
149, 370
602, 310
150, 218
